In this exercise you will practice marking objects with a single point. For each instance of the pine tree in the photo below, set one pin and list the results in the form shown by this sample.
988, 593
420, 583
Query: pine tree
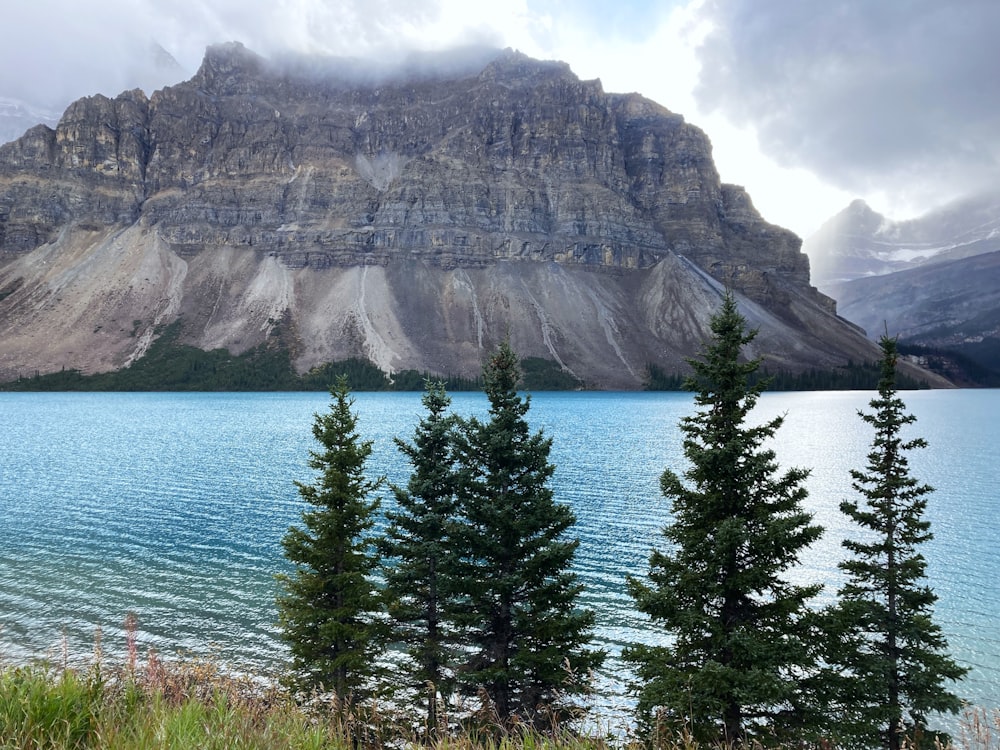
328, 611
420, 542
525, 631
741, 649
889, 651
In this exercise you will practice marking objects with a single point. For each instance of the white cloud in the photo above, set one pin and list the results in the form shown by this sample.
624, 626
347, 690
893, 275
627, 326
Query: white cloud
871, 97
896, 98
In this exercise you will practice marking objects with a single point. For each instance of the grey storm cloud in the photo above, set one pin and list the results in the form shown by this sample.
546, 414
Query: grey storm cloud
54, 51
872, 94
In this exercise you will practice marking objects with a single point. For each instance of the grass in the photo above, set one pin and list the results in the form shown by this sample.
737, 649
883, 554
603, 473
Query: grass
182, 707
194, 705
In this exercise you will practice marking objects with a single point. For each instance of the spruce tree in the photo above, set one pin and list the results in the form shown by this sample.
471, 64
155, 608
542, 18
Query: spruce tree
420, 545
890, 654
328, 611
524, 629
740, 649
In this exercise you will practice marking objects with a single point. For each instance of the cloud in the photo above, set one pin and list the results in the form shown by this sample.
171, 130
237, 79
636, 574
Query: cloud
54, 51
898, 96
48, 48
796, 72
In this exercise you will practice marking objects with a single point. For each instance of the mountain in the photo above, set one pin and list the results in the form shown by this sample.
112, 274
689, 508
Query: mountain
931, 303
341, 211
16, 116
934, 281
952, 305
860, 242
38, 97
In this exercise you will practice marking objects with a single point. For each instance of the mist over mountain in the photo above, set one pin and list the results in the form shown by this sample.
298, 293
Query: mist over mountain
415, 222
17, 116
860, 242
24, 104
933, 281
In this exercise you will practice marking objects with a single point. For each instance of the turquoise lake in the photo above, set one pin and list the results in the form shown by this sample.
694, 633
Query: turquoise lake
172, 506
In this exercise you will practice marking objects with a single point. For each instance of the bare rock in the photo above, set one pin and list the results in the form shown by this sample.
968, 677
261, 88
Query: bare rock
415, 222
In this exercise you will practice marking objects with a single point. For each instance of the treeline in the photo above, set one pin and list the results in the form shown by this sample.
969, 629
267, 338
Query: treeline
473, 576
974, 364
851, 377
171, 366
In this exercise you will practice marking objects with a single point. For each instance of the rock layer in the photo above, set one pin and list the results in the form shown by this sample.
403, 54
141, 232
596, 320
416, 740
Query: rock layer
411, 222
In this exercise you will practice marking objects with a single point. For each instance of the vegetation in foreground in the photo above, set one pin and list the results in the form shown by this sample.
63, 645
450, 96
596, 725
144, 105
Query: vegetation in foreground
747, 663
750, 660
720, 587
886, 650
478, 563
196, 706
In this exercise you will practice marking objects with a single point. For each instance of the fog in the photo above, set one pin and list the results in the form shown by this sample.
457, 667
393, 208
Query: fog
895, 97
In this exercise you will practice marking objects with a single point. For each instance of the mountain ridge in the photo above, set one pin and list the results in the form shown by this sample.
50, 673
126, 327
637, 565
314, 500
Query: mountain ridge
931, 280
858, 242
414, 223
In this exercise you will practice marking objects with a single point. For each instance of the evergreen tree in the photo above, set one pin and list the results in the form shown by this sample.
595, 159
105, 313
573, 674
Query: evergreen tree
328, 611
740, 651
890, 654
526, 634
420, 542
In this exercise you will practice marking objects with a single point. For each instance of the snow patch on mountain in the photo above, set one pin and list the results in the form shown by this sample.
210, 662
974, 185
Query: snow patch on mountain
859, 242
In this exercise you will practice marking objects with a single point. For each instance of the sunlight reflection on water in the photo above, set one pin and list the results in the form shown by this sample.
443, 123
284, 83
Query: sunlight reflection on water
173, 506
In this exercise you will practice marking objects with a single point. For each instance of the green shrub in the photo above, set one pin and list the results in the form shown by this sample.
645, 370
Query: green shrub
40, 710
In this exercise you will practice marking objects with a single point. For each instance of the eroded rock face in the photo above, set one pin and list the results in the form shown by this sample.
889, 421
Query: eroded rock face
414, 223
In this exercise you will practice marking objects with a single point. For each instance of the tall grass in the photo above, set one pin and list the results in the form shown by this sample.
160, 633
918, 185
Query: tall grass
194, 705
180, 707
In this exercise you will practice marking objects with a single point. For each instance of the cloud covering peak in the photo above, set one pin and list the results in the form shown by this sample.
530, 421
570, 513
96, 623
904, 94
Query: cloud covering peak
893, 100
54, 51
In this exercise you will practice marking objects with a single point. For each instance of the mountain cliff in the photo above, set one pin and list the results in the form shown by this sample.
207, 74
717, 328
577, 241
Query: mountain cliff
16, 116
934, 280
859, 242
414, 222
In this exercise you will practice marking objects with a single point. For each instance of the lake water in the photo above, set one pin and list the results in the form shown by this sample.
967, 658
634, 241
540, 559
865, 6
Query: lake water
172, 506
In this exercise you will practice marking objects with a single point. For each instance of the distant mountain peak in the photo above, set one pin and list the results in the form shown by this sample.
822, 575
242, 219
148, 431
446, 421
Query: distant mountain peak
863, 215
858, 242
162, 60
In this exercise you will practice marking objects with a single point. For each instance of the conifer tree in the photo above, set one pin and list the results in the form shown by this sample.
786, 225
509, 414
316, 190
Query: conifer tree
891, 655
328, 611
740, 648
524, 628
420, 542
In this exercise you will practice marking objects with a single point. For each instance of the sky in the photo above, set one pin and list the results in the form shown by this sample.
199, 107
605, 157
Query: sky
808, 103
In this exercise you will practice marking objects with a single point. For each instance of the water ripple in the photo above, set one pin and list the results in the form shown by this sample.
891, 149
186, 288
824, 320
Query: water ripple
173, 506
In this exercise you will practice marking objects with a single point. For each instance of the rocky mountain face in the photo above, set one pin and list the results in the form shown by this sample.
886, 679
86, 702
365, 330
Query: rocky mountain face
932, 281
16, 116
859, 242
412, 222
